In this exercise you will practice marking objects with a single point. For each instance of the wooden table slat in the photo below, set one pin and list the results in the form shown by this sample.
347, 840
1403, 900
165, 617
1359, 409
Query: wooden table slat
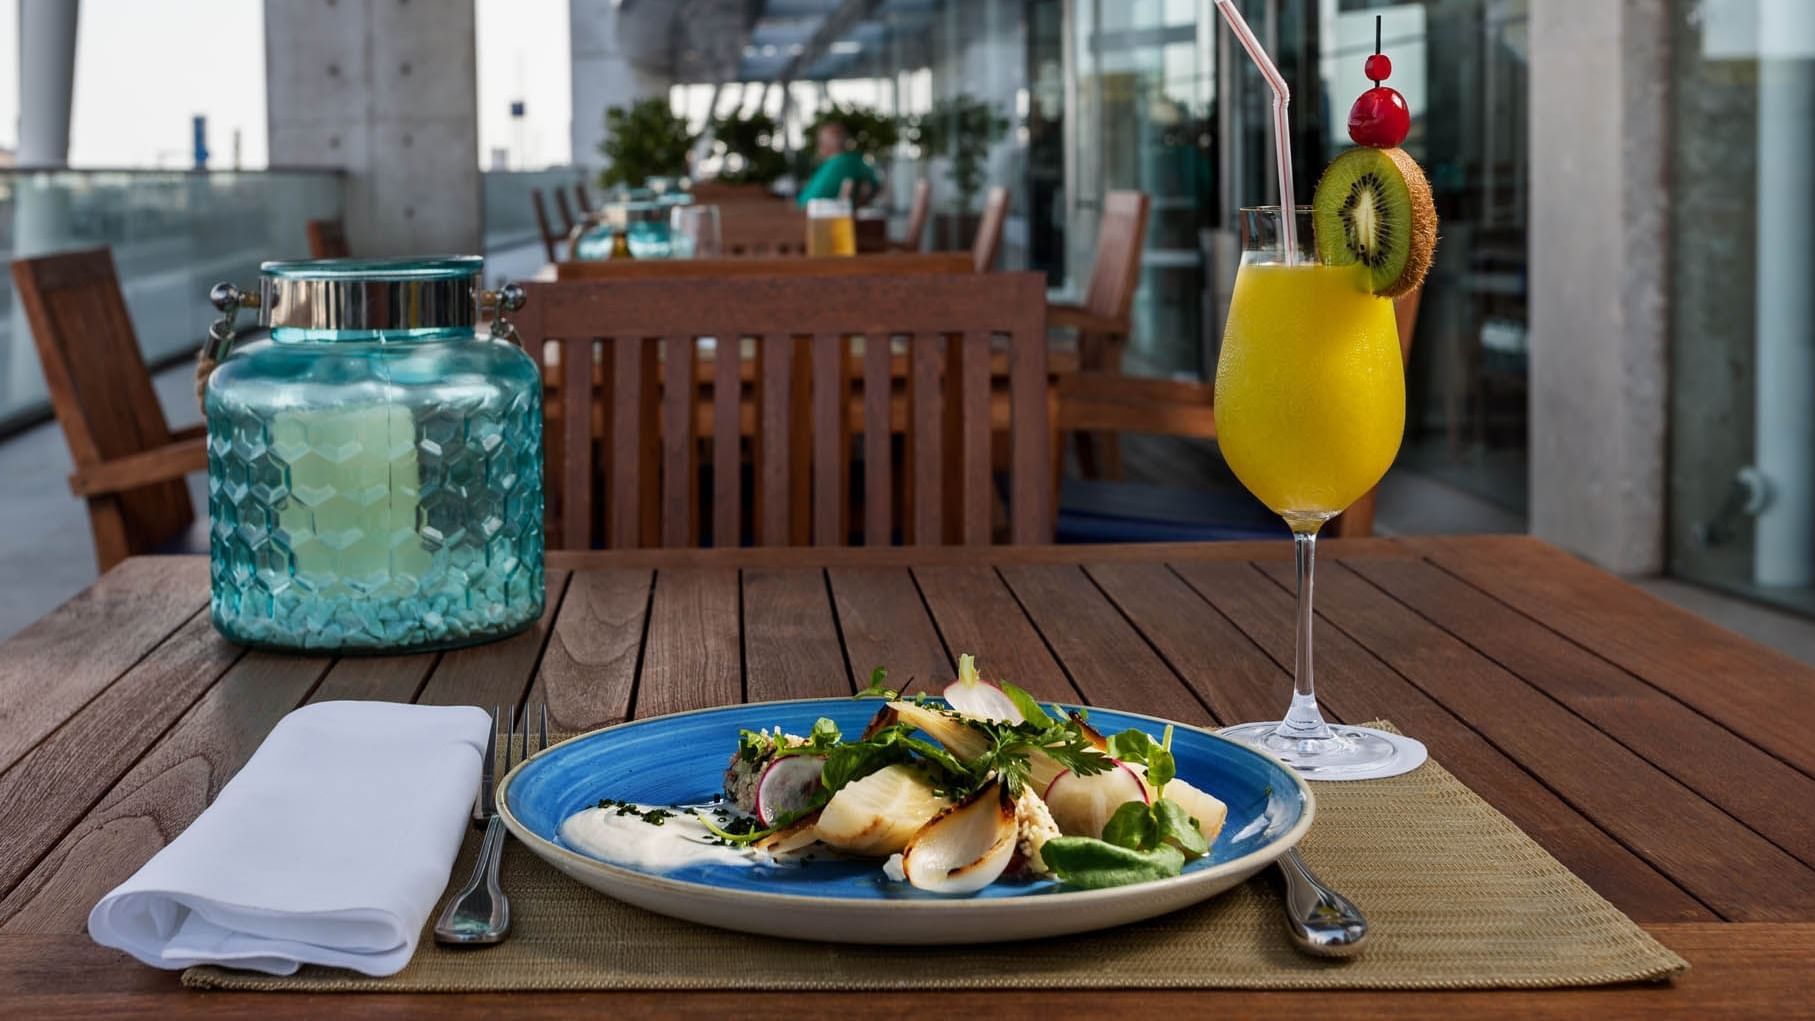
885, 624
66, 774
588, 671
1716, 763
162, 794
791, 644
1108, 660
1356, 686
977, 614
692, 657
1727, 866
497, 673
89, 641
1754, 690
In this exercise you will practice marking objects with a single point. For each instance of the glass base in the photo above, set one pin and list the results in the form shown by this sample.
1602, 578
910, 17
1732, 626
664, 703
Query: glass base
1346, 752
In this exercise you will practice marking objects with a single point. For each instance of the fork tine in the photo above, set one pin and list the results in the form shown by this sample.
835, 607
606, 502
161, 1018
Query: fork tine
542, 730
510, 740
482, 805
523, 735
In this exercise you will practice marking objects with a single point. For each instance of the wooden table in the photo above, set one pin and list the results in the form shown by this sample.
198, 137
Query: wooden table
1666, 761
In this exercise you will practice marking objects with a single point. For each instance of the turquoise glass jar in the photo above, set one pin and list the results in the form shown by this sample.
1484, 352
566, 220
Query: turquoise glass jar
374, 462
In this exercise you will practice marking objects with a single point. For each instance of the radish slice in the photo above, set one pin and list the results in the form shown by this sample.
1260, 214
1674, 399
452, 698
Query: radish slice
787, 785
965, 848
975, 697
1082, 805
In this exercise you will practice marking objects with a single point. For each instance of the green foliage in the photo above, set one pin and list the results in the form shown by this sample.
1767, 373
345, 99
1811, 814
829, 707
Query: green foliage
752, 148
873, 133
642, 141
962, 128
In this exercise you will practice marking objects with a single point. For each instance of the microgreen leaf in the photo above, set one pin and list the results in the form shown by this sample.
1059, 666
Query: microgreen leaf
1179, 829
1027, 704
1092, 864
879, 688
1133, 826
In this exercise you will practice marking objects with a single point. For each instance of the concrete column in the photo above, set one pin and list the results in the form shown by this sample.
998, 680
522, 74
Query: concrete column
1599, 279
613, 56
47, 72
386, 90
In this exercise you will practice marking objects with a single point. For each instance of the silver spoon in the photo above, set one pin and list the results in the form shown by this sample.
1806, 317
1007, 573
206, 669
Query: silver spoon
1323, 922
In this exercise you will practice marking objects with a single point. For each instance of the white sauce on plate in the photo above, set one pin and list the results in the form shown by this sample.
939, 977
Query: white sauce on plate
624, 839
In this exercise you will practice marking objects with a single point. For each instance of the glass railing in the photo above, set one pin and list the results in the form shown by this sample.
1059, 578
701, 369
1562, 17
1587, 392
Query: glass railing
173, 235
510, 218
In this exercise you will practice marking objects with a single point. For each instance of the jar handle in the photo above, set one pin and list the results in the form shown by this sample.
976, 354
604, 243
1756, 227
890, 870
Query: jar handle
228, 299
498, 303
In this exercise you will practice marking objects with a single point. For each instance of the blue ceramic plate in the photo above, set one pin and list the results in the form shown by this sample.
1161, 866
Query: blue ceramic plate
681, 759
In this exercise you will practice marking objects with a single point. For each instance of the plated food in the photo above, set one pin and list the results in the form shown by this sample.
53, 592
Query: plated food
947, 796
625, 778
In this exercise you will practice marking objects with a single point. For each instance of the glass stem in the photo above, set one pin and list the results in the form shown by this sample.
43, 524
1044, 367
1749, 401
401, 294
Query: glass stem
1303, 722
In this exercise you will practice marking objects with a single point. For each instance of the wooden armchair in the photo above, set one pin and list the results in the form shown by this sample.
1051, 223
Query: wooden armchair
551, 245
129, 463
565, 211
1101, 322
328, 239
671, 404
583, 198
988, 241
919, 210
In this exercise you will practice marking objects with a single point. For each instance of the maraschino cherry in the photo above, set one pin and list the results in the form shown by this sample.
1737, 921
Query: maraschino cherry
1380, 117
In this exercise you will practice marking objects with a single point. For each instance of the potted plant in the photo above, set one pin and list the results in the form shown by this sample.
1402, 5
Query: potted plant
642, 141
960, 128
751, 148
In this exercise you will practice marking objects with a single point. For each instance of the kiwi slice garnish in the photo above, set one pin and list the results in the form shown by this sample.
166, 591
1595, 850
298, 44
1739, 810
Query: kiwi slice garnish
1373, 206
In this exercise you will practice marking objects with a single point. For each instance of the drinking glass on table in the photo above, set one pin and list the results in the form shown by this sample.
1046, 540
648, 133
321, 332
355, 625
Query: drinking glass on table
1310, 407
696, 232
829, 227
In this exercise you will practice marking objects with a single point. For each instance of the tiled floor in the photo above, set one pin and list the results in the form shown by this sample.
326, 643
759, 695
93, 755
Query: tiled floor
46, 555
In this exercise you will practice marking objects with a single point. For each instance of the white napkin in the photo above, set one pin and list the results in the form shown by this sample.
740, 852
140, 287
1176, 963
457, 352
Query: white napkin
330, 847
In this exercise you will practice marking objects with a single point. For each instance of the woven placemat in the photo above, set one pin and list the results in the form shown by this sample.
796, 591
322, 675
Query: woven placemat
1457, 897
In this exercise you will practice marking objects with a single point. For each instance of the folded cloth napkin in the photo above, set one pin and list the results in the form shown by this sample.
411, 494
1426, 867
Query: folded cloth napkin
330, 847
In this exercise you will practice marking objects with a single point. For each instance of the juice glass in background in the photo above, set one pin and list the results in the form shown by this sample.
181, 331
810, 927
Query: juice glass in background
829, 227
1310, 408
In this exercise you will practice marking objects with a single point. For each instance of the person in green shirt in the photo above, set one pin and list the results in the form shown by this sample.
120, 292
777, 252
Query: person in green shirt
840, 163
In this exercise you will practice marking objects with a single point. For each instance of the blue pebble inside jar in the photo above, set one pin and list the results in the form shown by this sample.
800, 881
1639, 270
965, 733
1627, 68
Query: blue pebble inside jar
374, 461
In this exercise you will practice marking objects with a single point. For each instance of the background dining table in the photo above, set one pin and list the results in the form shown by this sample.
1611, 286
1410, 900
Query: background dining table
1667, 762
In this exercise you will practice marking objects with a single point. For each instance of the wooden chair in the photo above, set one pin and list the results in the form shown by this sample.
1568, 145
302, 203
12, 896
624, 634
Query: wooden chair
565, 211
583, 197
1095, 401
762, 228
919, 210
910, 263
1101, 322
989, 230
328, 239
129, 463
550, 243
800, 409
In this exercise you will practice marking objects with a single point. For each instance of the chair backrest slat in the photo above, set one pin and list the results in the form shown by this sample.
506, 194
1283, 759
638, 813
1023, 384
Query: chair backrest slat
565, 210
989, 230
774, 455
1121, 234
549, 241
919, 210
583, 197
974, 439
797, 405
831, 440
878, 402
101, 392
680, 442
926, 435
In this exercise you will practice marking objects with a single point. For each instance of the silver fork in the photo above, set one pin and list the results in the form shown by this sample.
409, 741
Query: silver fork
480, 913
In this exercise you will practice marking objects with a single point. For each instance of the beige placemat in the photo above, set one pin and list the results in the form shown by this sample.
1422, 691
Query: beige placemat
1457, 896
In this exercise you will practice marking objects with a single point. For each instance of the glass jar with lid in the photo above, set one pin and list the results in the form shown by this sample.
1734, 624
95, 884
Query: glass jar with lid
374, 461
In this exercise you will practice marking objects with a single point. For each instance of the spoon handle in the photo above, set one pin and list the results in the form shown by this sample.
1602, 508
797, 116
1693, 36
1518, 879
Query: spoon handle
1323, 922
